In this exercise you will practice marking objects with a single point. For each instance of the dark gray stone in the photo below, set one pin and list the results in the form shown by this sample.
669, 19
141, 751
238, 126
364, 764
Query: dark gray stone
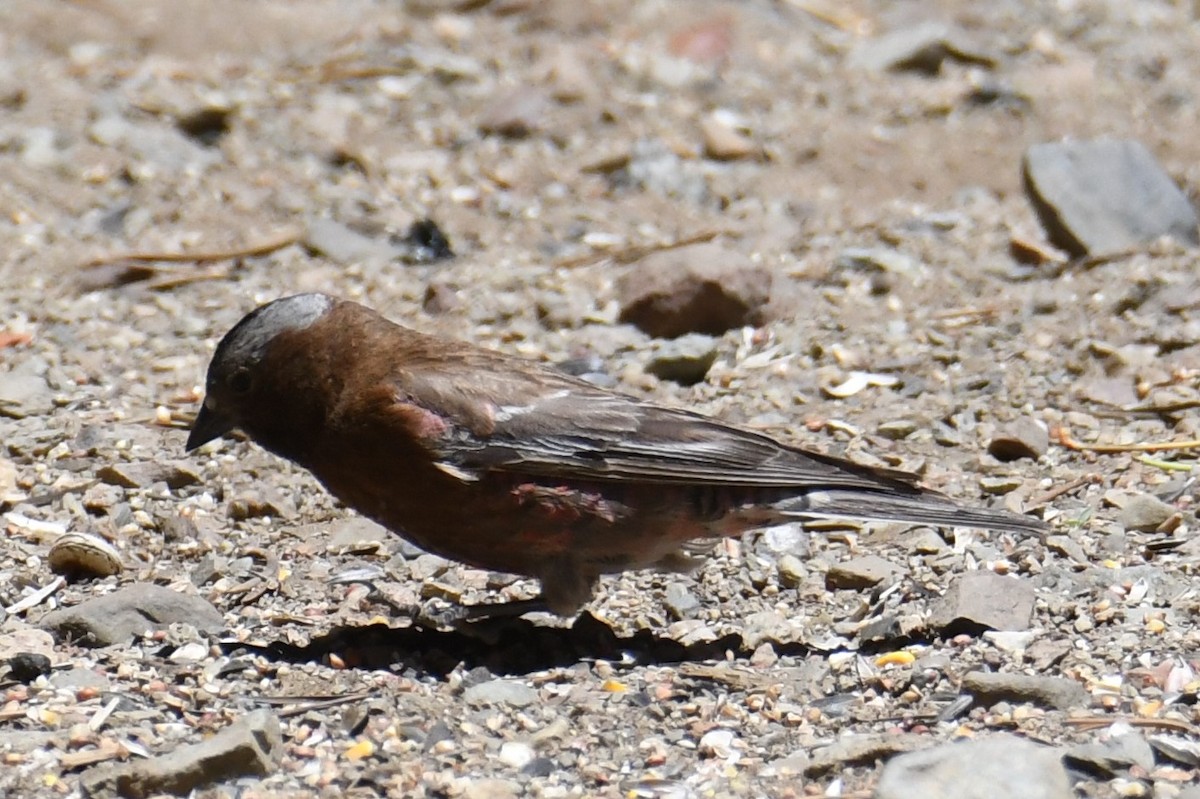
1105, 196
119, 617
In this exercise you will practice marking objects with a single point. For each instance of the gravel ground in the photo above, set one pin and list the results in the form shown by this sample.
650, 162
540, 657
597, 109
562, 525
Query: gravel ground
291, 146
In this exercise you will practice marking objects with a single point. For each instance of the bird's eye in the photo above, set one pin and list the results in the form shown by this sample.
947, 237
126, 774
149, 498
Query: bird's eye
240, 381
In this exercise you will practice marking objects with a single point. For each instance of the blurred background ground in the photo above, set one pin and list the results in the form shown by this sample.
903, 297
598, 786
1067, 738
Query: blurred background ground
866, 218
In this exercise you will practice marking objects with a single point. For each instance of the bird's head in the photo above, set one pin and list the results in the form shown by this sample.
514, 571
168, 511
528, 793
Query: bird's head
243, 389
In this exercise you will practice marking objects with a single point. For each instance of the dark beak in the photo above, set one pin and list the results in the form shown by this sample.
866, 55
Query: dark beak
208, 425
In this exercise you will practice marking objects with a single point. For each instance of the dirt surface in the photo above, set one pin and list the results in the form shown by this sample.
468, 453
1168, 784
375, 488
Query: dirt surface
556, 145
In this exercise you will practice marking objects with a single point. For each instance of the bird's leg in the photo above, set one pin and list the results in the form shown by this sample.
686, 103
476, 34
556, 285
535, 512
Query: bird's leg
566, 588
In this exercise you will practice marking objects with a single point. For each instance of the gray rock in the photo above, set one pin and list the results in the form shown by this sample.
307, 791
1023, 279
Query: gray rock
164, 149
860, 750
926, 541
985, 599
706, 288
1044, 653
1067, 547
1145, 512
791, 571
515, 113
880, 628
264, 502
654, 167
1000, 767
491, 788
24, 395
24, 640
1112, 756
251, 746
1011, 642
861, 573
685, 360
340, 243
1105, 196
1024, 438
919, 48
121, 616
1001, 485
1052, 692
501, 692
516, 754
768, 626
786, 538
897, 429
876, 259
40, 148
1180, 749
76, 678
680, 601
350, 532
427, 565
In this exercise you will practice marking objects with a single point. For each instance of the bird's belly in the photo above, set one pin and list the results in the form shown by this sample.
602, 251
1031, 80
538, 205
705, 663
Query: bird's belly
505, 523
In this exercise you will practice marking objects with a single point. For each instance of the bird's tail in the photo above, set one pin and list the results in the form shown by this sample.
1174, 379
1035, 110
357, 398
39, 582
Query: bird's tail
917, 509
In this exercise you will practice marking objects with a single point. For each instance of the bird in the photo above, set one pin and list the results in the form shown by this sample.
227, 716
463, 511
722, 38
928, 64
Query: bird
509, 465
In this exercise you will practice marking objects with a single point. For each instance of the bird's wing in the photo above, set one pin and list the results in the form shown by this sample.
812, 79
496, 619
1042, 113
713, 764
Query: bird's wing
540, 423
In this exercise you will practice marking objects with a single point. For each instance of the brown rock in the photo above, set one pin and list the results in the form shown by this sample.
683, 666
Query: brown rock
1024, 438
860, 573
147, 473
706, 288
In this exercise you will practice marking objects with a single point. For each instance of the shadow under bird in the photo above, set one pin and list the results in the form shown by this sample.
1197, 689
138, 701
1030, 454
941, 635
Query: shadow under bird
505, 464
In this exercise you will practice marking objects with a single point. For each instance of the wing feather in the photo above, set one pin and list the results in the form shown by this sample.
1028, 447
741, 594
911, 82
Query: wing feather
537, 422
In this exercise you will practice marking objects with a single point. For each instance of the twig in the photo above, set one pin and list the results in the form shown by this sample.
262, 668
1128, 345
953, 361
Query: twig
1063, 437
1156, 724
1066, 488
174, 282
639, 251
303, 704
278, 242
834, 15
1152, 410
964, 313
